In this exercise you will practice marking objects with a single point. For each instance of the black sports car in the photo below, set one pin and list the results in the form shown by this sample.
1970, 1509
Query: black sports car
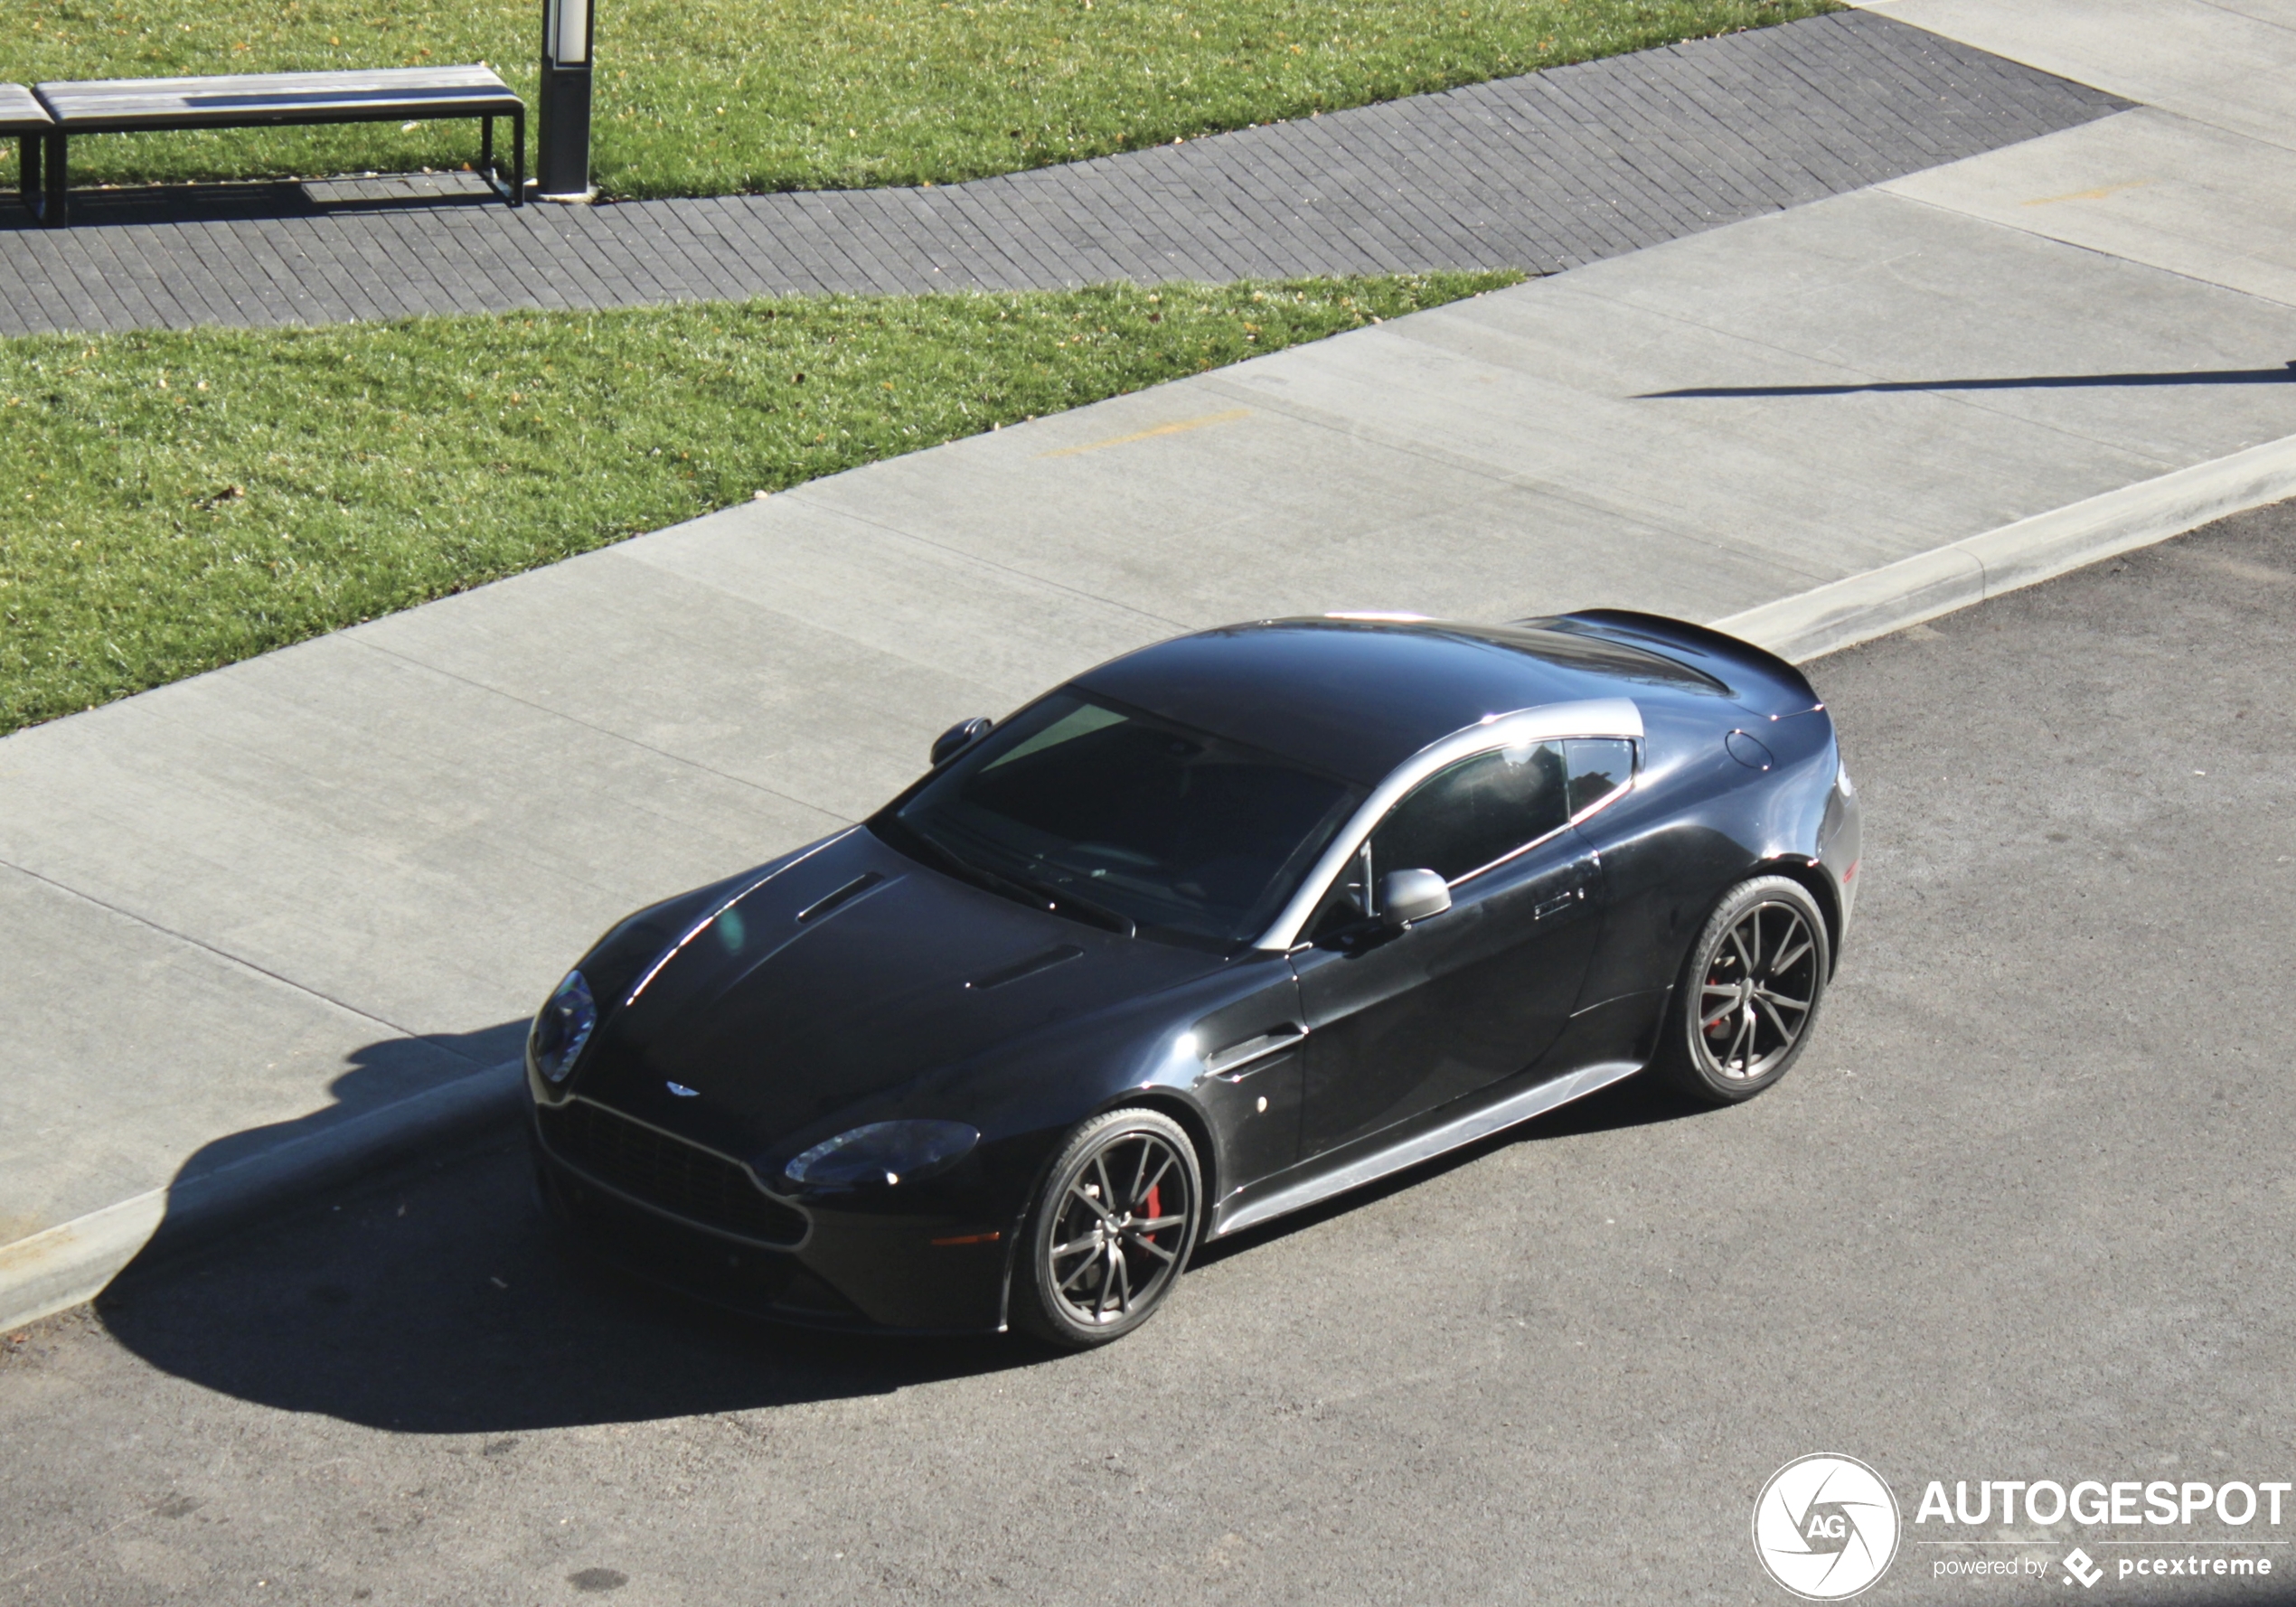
1212, 933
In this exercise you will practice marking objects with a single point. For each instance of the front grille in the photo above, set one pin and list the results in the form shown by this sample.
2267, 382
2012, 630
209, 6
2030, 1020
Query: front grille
667, 1174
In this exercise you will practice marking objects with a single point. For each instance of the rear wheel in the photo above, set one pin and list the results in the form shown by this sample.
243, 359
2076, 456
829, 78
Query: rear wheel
1748, 994
1112, 1231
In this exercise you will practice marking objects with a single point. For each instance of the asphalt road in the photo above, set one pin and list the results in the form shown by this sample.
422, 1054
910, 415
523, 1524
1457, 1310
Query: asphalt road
2022, 1212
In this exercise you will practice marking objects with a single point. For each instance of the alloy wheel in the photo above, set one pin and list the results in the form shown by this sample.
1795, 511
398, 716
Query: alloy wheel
1755, 996
1123, 1225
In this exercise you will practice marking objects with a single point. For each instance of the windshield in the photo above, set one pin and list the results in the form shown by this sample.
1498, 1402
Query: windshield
1160, 826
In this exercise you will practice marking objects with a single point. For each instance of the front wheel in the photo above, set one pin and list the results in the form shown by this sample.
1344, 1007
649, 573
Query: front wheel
1112, 1231
1748, 992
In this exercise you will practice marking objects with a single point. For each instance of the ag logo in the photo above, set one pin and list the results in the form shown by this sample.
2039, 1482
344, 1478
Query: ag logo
1825, 1527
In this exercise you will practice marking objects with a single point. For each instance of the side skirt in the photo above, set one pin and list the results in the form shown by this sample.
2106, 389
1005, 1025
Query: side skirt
1425, 1146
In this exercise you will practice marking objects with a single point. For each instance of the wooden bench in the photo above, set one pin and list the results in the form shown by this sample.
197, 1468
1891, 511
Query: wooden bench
269, 99
23, 115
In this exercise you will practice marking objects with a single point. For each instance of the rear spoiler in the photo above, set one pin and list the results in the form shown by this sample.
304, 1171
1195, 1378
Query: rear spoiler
1760, 680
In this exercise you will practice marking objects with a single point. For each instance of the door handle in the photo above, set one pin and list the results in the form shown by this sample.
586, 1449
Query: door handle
1231, 1063
1557, 904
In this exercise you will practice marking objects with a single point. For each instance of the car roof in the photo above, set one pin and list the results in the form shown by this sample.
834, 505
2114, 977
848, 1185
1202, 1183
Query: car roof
1356, 696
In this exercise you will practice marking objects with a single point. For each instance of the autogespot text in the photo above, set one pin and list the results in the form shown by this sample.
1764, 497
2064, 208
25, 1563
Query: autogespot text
2234, 1511
2095, 1504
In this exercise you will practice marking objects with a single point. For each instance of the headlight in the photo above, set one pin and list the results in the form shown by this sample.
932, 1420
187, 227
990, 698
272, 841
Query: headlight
562, 1027
883, 1152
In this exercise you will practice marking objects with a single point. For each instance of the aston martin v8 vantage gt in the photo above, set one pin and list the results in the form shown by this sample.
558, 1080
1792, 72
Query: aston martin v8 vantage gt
1212, 933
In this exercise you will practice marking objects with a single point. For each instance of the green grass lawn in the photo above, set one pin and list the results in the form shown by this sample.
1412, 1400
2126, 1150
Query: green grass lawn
713, 97
175, 501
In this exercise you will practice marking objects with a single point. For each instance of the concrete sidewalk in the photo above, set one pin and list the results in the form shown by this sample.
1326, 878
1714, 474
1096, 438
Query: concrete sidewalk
307, 899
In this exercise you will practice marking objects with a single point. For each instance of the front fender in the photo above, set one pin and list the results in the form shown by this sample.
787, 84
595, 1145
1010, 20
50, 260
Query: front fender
1034, 1093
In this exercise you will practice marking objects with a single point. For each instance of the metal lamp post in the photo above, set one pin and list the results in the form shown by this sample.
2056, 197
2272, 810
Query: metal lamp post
563, 163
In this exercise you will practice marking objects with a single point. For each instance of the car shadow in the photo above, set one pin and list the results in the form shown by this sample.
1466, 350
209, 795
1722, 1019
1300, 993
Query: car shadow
434, 1298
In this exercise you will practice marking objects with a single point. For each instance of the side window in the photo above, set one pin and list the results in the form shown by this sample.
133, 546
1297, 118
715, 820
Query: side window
1599, 766
1480, 810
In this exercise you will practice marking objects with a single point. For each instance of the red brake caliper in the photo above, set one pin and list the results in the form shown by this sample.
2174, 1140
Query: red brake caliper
1156, 1203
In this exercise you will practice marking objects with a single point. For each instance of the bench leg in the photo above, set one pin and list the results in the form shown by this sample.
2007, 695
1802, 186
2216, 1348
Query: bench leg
511, 186
57, 212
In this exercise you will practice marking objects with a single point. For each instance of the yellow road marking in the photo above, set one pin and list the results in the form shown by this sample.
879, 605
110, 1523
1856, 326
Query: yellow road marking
2099, 193
1179, 426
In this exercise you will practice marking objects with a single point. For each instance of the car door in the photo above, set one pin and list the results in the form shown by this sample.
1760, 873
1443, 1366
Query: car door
1402, 1022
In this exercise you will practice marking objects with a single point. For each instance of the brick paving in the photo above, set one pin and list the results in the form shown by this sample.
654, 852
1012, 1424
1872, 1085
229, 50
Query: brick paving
1540, 173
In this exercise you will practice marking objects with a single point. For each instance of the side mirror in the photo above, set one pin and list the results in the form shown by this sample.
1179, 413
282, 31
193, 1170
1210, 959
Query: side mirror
1408, 895
959, 736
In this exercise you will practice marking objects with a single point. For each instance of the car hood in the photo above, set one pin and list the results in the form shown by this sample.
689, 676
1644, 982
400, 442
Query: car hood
839, 977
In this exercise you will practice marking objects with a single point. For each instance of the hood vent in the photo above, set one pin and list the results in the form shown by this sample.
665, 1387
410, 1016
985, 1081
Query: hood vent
842, 896
1058, 954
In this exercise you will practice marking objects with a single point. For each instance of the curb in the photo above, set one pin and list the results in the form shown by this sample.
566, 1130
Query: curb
70, 1263
1844, 613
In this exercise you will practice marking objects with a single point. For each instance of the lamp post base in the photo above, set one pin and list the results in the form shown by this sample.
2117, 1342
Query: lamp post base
576, 198
562, 145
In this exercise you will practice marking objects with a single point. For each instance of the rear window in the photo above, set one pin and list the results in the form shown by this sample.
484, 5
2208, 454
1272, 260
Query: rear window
1559, 645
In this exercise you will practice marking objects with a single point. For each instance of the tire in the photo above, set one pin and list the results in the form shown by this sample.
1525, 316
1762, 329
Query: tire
1739, 1017
1092, 1274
